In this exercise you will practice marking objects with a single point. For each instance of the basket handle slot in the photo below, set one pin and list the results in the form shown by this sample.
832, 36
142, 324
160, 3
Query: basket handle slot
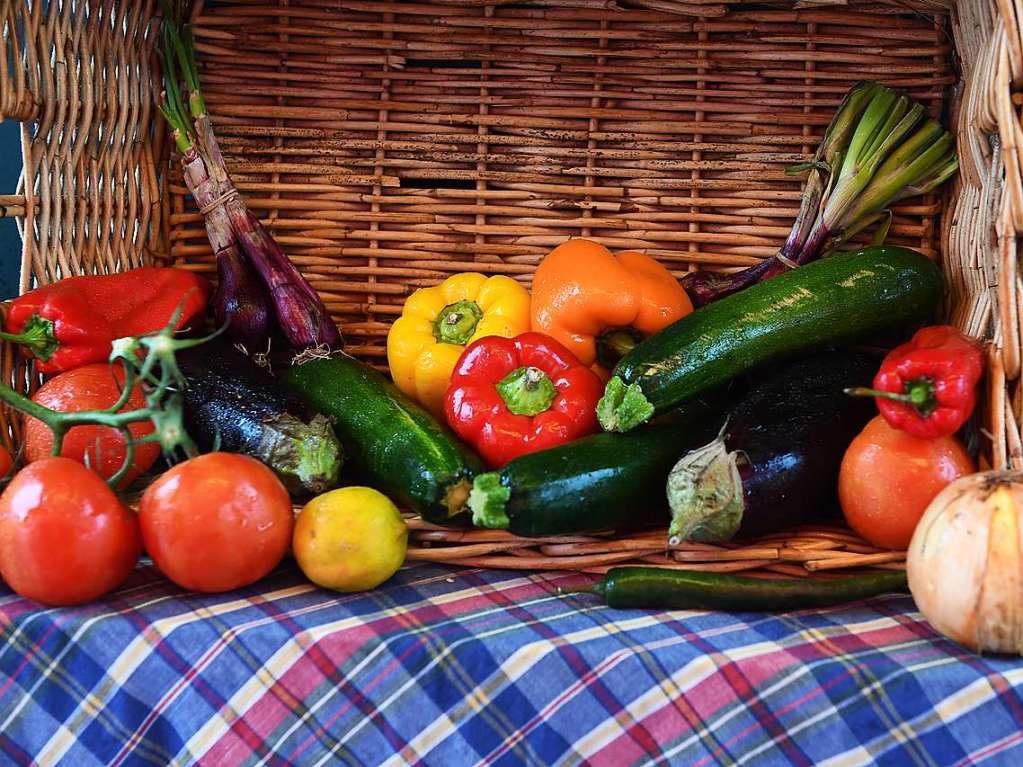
442, 64
436, 183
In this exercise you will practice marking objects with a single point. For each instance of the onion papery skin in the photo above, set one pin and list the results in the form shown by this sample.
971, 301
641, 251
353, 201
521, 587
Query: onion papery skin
965, 562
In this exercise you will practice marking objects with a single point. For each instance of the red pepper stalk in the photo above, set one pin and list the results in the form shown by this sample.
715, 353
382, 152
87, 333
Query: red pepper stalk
928, 386
512, 396
74, 322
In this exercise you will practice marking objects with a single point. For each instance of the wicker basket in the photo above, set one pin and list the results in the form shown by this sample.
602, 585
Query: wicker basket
389, 144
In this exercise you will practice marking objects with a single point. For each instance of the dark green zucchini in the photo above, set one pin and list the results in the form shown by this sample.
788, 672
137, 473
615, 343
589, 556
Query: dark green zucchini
232, 404
664, 589
601, 482
395, 444
824, 303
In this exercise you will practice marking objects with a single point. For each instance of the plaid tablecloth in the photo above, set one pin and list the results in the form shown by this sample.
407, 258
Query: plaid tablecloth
464, 667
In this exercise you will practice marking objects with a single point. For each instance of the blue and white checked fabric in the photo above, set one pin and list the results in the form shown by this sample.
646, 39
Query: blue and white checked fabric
467, 667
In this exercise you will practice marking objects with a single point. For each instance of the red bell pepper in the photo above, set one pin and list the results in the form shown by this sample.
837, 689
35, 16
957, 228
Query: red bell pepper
511, 396
928, 386
74, 321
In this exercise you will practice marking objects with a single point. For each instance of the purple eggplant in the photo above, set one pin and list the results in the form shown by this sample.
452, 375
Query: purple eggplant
775, 461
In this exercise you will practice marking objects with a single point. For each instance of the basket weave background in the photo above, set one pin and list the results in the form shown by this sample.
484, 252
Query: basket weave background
389, 144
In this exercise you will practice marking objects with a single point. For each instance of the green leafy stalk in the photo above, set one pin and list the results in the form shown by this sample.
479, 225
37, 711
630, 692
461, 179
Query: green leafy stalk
171, 106
238, 238
879, 148
828, 156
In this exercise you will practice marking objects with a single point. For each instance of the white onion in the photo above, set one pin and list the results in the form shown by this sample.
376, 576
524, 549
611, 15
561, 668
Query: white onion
965, 562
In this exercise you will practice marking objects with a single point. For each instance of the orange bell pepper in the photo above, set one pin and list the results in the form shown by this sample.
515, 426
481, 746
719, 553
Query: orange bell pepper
599, 304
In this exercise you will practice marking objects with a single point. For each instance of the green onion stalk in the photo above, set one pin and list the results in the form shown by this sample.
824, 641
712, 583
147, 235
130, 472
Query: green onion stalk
147, 361
258, 284
880, 148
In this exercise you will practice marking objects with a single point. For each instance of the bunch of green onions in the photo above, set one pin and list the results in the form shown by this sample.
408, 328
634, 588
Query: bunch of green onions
879, 148
258, 284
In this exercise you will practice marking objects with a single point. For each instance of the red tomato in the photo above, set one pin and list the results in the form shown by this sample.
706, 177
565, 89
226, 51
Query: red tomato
217, 522
91, 387
888, 478
6, 462
65, 538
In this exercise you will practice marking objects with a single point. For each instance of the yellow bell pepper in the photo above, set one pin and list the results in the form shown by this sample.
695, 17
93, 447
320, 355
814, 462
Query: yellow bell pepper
437, 323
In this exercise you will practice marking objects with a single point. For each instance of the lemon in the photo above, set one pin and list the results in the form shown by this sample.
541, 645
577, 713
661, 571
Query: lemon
350, 539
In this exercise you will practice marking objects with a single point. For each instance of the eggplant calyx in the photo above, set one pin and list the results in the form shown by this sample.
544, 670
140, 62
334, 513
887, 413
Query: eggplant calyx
307, 457
622, 407
705, 495
487, 501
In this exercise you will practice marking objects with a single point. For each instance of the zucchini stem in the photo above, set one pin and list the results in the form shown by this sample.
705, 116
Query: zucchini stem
623, 407
488, 500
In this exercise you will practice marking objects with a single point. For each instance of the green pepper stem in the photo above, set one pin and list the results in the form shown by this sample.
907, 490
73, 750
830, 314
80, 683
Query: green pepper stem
527, 391
456, 323
614, 344
919, 394
37, 336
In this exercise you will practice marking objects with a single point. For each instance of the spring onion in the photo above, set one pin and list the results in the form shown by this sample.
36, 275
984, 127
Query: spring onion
251, 265
880, 148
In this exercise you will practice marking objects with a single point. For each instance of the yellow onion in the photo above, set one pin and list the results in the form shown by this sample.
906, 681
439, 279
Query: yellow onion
965, 562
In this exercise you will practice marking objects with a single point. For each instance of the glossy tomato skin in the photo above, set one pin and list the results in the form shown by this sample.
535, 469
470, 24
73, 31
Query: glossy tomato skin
6, 462
90, 387
217, 522
889, 477
65, 538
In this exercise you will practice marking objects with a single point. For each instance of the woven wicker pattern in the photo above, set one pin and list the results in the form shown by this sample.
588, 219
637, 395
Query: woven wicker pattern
85, 87
799, 553
389, 144
981, 243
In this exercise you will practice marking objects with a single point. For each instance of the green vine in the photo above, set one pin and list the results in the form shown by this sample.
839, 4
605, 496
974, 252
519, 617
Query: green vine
149, 361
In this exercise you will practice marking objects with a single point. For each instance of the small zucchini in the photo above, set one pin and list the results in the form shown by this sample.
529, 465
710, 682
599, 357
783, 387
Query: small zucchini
824, 303
393, 442
661, 588
601, 482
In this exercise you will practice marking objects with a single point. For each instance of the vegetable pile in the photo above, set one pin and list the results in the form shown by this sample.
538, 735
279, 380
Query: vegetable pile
603, 401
